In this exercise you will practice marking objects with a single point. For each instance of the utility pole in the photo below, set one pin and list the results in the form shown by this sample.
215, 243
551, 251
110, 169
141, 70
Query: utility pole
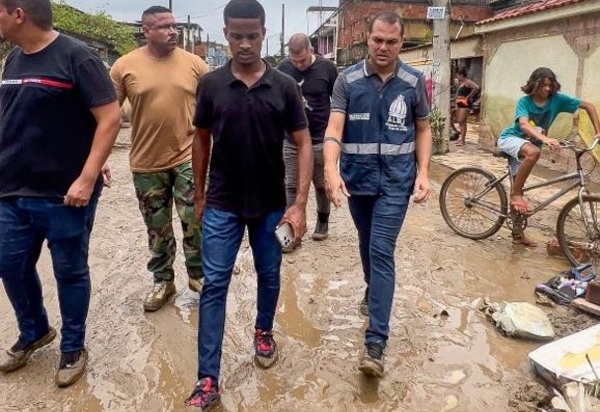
207, 48
267, 46
282, 31
171, 5
442, 68
189, 34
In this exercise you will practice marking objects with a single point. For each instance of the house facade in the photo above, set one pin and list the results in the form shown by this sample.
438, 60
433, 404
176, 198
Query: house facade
563, 35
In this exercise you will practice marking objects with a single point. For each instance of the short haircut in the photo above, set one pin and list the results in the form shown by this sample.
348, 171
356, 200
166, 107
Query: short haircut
39, 12
299, 42
536, 81
388, 17
463, 72
244, 9
151, 11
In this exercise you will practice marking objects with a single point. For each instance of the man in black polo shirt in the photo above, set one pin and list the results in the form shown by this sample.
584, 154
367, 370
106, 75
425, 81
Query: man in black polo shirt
316, 76
247, 106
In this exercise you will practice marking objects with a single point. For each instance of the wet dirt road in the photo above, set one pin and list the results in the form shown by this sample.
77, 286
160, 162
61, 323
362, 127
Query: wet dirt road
147, 362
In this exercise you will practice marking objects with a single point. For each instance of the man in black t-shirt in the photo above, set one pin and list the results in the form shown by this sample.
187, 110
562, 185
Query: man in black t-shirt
59, 119
247, 106
316, 76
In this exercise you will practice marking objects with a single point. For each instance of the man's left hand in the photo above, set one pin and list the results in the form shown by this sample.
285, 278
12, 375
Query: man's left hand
80, 192
296, 216
422, 189
106, 175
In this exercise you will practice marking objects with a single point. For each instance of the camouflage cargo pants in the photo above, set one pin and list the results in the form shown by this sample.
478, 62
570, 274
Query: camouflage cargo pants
156, 193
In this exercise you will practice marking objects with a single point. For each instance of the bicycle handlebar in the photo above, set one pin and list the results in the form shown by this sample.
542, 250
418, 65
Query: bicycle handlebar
570, 145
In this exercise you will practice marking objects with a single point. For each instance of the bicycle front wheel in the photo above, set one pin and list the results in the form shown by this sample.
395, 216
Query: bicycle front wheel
578, 231
471, 205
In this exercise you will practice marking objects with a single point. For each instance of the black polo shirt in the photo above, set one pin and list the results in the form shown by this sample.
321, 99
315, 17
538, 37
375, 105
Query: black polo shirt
248, 127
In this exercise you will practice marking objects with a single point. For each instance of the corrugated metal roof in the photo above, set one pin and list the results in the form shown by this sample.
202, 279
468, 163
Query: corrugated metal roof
528, 9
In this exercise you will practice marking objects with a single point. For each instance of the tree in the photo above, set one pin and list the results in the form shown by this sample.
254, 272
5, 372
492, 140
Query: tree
99, 25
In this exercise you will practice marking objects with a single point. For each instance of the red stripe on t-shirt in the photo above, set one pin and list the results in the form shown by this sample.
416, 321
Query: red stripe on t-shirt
42, 81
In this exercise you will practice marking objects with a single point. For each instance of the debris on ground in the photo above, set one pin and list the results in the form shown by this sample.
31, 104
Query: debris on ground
520, 319
530, 396
574, 358
567, 321
574, 397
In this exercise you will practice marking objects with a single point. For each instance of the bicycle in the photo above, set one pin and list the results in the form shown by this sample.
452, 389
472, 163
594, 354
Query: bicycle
474, 203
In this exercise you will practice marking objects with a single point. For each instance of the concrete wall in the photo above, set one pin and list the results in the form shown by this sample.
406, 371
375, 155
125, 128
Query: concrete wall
569, 46
509, 68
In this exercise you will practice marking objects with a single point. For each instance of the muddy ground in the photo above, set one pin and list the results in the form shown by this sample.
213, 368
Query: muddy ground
147, 362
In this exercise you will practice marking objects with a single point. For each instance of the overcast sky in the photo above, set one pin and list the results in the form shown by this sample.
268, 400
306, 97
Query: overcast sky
209, 14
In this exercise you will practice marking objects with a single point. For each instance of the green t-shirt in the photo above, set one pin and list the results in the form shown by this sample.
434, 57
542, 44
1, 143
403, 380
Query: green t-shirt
540, 116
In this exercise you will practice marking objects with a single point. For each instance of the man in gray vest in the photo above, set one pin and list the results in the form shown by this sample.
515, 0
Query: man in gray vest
379, 123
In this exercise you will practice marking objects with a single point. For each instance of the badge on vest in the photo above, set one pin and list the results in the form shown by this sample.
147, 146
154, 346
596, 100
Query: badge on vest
397, 115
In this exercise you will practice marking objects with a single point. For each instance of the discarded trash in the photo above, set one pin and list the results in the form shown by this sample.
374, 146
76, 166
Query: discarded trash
573, 397
443, 314
585, 272
565, 360
520, 319
568, 285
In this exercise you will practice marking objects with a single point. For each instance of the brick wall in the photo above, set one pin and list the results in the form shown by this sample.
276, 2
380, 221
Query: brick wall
354, 19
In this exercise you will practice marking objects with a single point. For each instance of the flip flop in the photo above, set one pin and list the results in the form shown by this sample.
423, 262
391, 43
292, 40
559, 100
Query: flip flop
521, 207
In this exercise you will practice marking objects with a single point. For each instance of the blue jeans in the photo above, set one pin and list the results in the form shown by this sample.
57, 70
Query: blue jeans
378, 220
222, 234
24, 225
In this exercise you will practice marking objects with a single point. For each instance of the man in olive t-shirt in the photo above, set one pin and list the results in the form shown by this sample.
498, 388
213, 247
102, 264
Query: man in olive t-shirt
160, 81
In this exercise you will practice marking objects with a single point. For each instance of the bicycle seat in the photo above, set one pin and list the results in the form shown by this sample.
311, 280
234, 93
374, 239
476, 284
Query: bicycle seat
501, 154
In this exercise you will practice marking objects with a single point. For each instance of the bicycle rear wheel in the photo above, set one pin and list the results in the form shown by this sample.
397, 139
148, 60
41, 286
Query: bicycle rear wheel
578, 231
470, 205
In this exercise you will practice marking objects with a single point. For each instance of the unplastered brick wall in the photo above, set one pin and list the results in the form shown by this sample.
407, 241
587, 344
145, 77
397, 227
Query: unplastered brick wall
355, 18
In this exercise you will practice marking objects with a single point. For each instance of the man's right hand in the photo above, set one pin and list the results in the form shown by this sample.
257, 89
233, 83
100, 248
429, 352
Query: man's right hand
199, 204
335, 187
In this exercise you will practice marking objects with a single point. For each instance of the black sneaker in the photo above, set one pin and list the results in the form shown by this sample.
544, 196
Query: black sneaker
205, 396
265, 348
363, 306
322, 227
17, 356
371, 363
71, 367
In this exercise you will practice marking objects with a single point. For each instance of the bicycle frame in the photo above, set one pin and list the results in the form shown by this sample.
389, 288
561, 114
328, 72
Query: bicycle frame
578, 178
571, 176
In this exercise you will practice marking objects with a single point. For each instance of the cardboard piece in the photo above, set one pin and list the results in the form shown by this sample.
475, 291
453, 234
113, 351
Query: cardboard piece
564, 360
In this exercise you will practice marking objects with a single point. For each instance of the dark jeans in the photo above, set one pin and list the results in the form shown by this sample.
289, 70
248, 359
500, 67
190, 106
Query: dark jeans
378, 220
222, 234
24, 225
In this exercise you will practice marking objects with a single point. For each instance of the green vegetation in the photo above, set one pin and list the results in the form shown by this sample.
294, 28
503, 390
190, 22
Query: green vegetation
438, 125
98, 25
